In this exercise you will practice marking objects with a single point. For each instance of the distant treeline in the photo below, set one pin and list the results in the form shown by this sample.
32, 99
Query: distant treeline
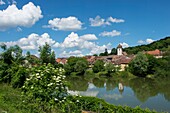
162, 45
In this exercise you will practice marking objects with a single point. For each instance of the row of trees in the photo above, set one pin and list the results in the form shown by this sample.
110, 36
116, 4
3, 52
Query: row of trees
79, 66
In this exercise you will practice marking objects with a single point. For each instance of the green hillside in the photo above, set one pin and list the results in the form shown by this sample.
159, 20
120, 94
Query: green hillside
161, 44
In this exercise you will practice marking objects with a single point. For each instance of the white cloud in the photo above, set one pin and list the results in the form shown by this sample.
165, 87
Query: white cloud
147, 41
89, 37
124, 45
73, 41
115, 20
13, 17
98, 21
2, 2
33, 41
110, 34
71, 53
66, 24
141, 42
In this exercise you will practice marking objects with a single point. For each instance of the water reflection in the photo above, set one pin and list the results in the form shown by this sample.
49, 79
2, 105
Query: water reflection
124, 91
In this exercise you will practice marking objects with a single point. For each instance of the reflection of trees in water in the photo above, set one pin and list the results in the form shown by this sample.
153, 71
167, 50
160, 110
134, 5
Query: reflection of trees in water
163, 84
77, 83
143, 88
99, 82
110, 84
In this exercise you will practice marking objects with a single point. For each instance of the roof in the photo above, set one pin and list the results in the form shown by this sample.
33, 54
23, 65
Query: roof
156, 52
119, 46
121, 60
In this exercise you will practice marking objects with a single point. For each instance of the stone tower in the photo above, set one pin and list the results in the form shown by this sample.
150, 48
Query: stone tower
119, 50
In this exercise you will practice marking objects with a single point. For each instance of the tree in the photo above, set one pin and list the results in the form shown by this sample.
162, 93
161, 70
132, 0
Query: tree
81, 66
139, 65
104, 54
153, 63
76, 64
46, 55
110, 68
95, 55
113, 51
98, 66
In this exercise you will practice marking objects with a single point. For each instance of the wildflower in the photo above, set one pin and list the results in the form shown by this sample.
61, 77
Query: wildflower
55, 99
77, 101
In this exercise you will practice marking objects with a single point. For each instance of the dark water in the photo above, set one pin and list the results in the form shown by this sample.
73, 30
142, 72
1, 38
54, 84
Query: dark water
146, 93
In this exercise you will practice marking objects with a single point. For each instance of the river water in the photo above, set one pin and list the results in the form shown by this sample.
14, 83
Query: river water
143, 92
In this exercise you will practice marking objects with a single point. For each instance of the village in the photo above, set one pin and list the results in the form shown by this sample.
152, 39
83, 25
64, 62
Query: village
122, 59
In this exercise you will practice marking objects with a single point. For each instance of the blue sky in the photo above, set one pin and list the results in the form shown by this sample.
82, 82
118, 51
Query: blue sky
82, 27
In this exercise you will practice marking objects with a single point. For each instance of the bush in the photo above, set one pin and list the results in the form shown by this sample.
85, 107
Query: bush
98, 66
45, 86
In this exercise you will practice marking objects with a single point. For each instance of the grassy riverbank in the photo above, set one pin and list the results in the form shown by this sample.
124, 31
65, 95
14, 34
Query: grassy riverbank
11, 102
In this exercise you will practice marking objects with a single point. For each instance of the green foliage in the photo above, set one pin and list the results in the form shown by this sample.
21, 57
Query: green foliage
160, 44
139, 65
77, 104
80, 67
163, 68
46, 55
110, 68
45, 84
76, 64
98, 66
95, 55
113, 51
104, 54
152, 64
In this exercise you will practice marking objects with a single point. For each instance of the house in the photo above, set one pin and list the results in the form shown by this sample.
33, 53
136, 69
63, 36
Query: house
122, 61
156, 53
61, 60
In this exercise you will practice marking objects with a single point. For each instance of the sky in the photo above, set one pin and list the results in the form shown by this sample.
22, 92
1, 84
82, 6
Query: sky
82, 27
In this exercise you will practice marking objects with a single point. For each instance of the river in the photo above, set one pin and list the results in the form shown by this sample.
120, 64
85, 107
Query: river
143, 92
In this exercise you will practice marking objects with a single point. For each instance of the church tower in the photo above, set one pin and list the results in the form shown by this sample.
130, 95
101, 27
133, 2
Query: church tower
119, 50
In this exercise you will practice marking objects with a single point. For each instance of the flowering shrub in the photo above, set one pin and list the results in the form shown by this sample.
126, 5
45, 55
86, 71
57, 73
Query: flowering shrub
46, 84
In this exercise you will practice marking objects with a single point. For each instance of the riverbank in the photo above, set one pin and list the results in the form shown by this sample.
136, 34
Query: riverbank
11, 102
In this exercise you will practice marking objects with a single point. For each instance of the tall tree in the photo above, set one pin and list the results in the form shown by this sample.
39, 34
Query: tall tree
46, 55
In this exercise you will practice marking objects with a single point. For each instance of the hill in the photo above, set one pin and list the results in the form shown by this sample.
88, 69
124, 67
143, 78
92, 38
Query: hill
161, 44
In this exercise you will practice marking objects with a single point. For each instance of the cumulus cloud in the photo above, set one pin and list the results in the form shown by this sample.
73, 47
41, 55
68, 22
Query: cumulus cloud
89, 37
2, 2
33, 41
66, 24
71, 53
115, 20
13, 17
98, 21
83, 42
110, 34
124, 45
147, 41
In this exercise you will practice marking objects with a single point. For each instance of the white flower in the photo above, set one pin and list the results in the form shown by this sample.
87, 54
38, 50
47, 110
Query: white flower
32, 87
55, 99
77, 101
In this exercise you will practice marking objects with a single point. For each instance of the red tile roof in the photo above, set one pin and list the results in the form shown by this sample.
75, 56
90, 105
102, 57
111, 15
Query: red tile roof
155, 52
